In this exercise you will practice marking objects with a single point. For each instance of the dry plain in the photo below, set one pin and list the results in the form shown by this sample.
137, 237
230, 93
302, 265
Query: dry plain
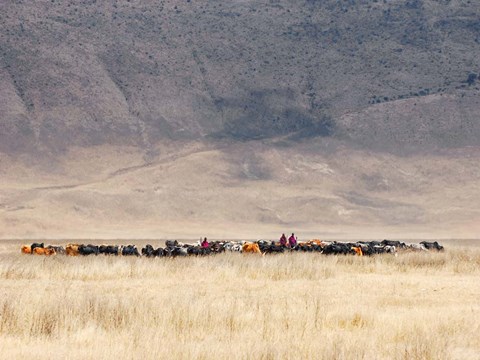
413, 306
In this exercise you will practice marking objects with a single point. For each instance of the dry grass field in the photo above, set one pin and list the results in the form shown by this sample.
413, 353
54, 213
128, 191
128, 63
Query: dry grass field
413, 306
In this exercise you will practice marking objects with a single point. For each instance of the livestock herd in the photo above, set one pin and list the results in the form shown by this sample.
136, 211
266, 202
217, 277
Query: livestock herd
173, 248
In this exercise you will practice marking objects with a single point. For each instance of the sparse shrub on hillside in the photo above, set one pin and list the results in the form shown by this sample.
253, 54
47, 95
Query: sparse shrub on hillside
472, 78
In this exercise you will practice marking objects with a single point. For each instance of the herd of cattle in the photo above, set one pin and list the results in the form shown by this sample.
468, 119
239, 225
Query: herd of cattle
174, 248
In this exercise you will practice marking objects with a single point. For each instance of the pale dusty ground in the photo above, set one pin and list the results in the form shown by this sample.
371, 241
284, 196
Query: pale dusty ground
414, 306
240, 190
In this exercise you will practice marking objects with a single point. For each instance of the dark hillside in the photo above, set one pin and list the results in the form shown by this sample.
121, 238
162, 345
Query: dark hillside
137, 72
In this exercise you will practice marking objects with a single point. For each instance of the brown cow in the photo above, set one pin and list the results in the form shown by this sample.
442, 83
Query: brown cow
26, 249
72, 249
250, 247
358, 250
44, 251
317, 242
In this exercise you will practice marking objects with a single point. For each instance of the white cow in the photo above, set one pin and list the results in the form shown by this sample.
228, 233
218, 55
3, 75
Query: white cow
416, 247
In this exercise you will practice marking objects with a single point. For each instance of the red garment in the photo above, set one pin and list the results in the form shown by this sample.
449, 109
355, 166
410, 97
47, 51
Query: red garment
292, 241
205, 244
283, 240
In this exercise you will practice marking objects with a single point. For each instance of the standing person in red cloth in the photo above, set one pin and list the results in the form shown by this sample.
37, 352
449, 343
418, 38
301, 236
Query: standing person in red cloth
205, 243
292, 240
283, 240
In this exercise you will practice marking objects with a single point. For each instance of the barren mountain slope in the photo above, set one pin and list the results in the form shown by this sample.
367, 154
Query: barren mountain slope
139, 72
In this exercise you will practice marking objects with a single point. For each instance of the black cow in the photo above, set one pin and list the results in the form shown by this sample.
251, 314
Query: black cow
198, 250
180, 251
171, 243
130, 250
338, 249
367, 249
374, 247
303, 247
270, 247
264, 246
276, 249
148, 251
168, 251
35, 245
397, 244
108, 250
432, 245
159, 252
316, 247
217, 247
174, 251
88, 249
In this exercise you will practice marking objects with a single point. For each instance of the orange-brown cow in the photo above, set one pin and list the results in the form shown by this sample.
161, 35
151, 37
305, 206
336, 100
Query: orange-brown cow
250, 247
44, 251
316, 242
72, 249
26, 249
358, 250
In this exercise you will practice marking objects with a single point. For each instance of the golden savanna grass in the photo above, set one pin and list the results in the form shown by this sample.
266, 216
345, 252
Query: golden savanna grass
414, 306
